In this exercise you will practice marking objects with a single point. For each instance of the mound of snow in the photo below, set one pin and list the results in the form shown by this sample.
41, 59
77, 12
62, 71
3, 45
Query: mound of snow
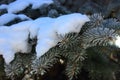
14, 39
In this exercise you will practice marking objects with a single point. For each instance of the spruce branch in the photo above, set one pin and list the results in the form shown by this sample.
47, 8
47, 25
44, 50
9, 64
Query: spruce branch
96, 17
90, 7
14, 70
111, 23
73, 70
68, 40
95, 20
74, 63
98, 37
43, 64
94, 60
18, 67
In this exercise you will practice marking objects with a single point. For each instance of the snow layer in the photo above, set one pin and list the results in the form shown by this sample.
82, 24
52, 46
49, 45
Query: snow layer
20, 5
15, 38
6, 18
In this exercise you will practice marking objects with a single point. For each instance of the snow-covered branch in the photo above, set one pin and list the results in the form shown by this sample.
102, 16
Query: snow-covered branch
14, 38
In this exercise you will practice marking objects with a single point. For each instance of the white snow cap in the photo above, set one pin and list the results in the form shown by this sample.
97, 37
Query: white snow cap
70, 23
14, 38
20, 5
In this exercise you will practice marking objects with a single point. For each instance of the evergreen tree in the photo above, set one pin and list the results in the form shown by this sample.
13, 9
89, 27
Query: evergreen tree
91, 54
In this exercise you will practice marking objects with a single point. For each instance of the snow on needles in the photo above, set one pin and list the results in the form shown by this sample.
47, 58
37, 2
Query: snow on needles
14, 38
20, 5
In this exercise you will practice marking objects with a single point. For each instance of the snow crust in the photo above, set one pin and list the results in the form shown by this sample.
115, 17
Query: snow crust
20, 5
14, 38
